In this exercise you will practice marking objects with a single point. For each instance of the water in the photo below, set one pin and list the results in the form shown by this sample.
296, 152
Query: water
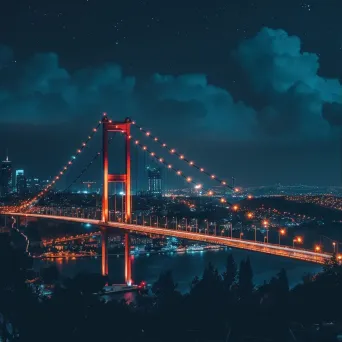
185, 266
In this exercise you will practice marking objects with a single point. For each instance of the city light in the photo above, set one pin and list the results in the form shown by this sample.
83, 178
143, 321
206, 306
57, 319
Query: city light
198, 186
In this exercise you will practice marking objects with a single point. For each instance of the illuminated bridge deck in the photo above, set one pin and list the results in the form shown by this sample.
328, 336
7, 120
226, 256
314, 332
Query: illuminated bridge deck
279, 250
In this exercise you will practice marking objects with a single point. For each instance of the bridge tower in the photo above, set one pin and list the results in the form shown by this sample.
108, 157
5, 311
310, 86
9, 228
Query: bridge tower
122, 127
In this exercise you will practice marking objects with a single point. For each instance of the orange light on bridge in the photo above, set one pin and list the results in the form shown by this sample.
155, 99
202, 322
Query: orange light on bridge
201, 169
265, 222
317, 248
235, 207
210, 193
179, 172
250, 215
236, 189
212, 176
181, 157
222, 200
282, 231
189, 179
249, 196
191, 163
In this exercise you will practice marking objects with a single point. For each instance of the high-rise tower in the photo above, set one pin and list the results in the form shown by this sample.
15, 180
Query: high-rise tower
6, 177
154, 181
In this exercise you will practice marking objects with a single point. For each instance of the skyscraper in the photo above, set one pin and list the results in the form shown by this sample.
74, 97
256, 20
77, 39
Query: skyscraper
154, 181
20, 182
17, 173
6, 177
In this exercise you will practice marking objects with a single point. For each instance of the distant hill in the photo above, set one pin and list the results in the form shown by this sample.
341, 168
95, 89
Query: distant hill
281, 204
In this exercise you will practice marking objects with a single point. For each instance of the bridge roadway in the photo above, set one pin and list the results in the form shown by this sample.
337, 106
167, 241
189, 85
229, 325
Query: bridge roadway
284, 251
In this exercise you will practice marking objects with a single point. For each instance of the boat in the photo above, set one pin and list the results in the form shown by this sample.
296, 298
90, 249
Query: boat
195, 248
181, 250
120, 288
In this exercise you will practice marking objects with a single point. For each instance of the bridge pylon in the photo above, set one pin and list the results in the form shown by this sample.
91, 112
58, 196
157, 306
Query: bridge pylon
125, 128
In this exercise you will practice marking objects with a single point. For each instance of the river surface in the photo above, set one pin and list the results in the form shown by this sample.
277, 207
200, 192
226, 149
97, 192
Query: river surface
185, 266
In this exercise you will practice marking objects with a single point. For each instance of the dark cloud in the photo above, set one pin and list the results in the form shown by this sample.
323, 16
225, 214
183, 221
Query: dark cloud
332, 112
288, 81
40, 89
293, 99
289, 101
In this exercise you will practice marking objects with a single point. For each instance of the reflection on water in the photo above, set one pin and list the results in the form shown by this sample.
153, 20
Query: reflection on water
185, 266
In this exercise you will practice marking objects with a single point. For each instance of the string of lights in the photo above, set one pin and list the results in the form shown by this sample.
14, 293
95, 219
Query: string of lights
85, 169
63, 170
182, 157
177, 171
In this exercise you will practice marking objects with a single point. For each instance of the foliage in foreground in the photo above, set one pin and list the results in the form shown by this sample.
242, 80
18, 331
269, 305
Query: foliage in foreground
217, 305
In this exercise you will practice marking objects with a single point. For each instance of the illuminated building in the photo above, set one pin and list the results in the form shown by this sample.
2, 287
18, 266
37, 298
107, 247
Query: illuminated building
33, 185
17, 173
21, 183
6, 177
154, 181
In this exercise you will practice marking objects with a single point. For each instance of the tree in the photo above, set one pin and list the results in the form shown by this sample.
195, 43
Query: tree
86, 283
229, 275
331, 265
245, 284
49, 274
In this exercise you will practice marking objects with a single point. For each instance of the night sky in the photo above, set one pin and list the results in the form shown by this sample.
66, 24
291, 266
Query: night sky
250, 89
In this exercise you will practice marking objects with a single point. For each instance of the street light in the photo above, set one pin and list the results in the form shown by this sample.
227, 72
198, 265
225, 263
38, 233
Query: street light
250, 215
334, 245
241, 235
265, 223
298, 239
317, 248
254, 226
235, 207
282, 231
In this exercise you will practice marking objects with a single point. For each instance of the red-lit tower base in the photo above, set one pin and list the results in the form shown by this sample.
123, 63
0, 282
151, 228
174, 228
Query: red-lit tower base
122, 127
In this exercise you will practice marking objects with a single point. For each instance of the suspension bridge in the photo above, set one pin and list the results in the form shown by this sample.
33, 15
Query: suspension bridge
102, 218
